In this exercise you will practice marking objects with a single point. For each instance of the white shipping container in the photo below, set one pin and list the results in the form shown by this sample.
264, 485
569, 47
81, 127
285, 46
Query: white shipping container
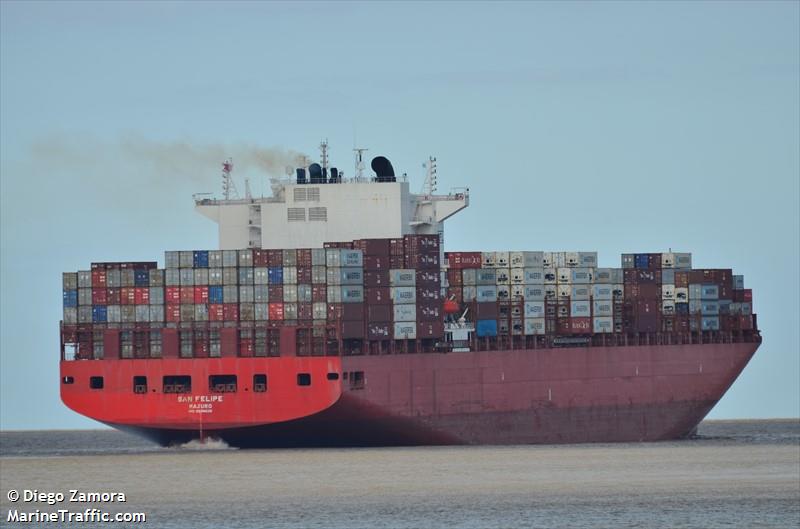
468, 293
319, 275
681, 294
534, 292
405, 331
668, 292
532, 259
564, 291
564, 275
334, 294
587, 259
580, 309
290, 293
172, 259
668, 276
290, 311
619, 290
516, 260
602, 276
668, 260
517, 276
603, 307
534, 326
404, 312
581, 292
547, 260
215, 259
503, 292
260, 275
668, 307
517, 291
533, 276
485, 293
261, 293
534, 309
469, 277
501, 259
581, 276
319, 310
503, 276
602, 292
488, 259
114, 314
318, 257
404, 294
559, 259
230, 259
289, 275
402, 277
550, 276
602, 324
572, 259
156, 313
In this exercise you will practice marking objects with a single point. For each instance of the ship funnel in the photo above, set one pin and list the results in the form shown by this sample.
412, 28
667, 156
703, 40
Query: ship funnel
334, 175
301, 175
383, 169
315, 174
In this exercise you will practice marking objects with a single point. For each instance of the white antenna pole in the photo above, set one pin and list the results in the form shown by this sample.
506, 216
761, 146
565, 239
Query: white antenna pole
228, 187
430, 176
324, 148
359, 163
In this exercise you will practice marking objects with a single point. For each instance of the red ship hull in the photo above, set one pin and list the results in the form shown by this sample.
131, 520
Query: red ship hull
555, 395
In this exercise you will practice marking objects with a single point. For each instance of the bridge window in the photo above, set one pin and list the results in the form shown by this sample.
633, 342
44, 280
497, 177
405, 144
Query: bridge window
96, 382
222, 383
304, 379
260, 383
177, 384
333, 376
68, 380
140, 384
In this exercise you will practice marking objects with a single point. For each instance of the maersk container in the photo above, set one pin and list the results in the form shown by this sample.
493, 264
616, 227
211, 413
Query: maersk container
290, 294
534, 292
201, 276
503, 276
230, 259
485, 328
216, 294
469, 293
681, 294
352, 294
602, 324
709, 308
405, 331
580, 292
172, 259
534, 309
581, 276
683, 261
602, 292
351, 276
628, 260
275, 275
668, 292
85, 314
485, 293
503, 292
156, 295
486, 277
156, 313
85, 279
725, 306
533, 276
99, 314
580, 309
113, 279
709, 291
70, 298
709, 323
187, 277
215, 258
603, 307
402, 277
200, 259
534, 326
602, 275
70, 316
564, 275
351, 258
404, 312
114, 314
230, 294
404, 294
587, 259
469, 277
246, 294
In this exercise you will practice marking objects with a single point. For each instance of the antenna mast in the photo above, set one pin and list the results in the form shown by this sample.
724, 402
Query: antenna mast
359, 163
324, 148
228, 187
429, 187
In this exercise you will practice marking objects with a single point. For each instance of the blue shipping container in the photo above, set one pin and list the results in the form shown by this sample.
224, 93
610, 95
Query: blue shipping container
141, 278
486, 328
681, 308
215, 294
99, 314
200, 258
70, 298
641, 260
275, 275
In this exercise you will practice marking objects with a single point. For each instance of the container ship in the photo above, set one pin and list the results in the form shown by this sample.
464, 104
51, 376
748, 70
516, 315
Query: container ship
332, 316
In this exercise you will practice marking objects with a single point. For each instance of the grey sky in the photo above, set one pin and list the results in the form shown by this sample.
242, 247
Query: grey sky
616, 127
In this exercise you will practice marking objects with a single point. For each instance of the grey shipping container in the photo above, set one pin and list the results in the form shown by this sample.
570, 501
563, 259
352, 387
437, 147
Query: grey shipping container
156, 295
246, 294
230, 294
402, 277
486, 277
69, 280
114, 314
290, 294
201, 276
186, 259
172, 277
172, 259
156, 313
230, 276
215, 276
187, 277
404, 294
215, 259
230, 259
84, 279
261, 311
245, 275
486, 293
261, 275
113, 279
261, 293
580, 309
70, 315
245, 258
304, 293
156, 278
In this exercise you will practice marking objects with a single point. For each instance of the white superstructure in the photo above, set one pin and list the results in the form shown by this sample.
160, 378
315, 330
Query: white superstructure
307, 215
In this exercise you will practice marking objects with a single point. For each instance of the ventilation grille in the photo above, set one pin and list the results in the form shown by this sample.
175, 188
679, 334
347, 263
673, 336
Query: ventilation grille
306, 194
312, 194
296, 214
318, 214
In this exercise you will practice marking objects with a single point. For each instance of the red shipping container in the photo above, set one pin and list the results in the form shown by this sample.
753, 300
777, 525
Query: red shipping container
747, 295
376, 262
430, 312
304, 257
352, 311
424, 243
304, 275
352, 329
580, 325
127, 296
378, 296
563, 326
99, 296
379, 313
681, 279
456, 294
654, 261
141, 295
276, 292
304, 311
636, 291
276, 311
169, 343
379, 330
454, 277
200, 347
396, 248
200, 295
335, 311
260, 257
725, 291
429, 278
172, 294
319, 293
246, 347
114, 296
275, 257
397, 261
429, 294
746, 322
373, 246
230, 311
461, 260
172, 313
421, 260
98, 278
216, 312
376, 278
187, 295
639, 276
430, 329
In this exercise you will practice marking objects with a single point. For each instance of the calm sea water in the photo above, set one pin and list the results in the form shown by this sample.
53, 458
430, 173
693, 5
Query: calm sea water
735, 474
